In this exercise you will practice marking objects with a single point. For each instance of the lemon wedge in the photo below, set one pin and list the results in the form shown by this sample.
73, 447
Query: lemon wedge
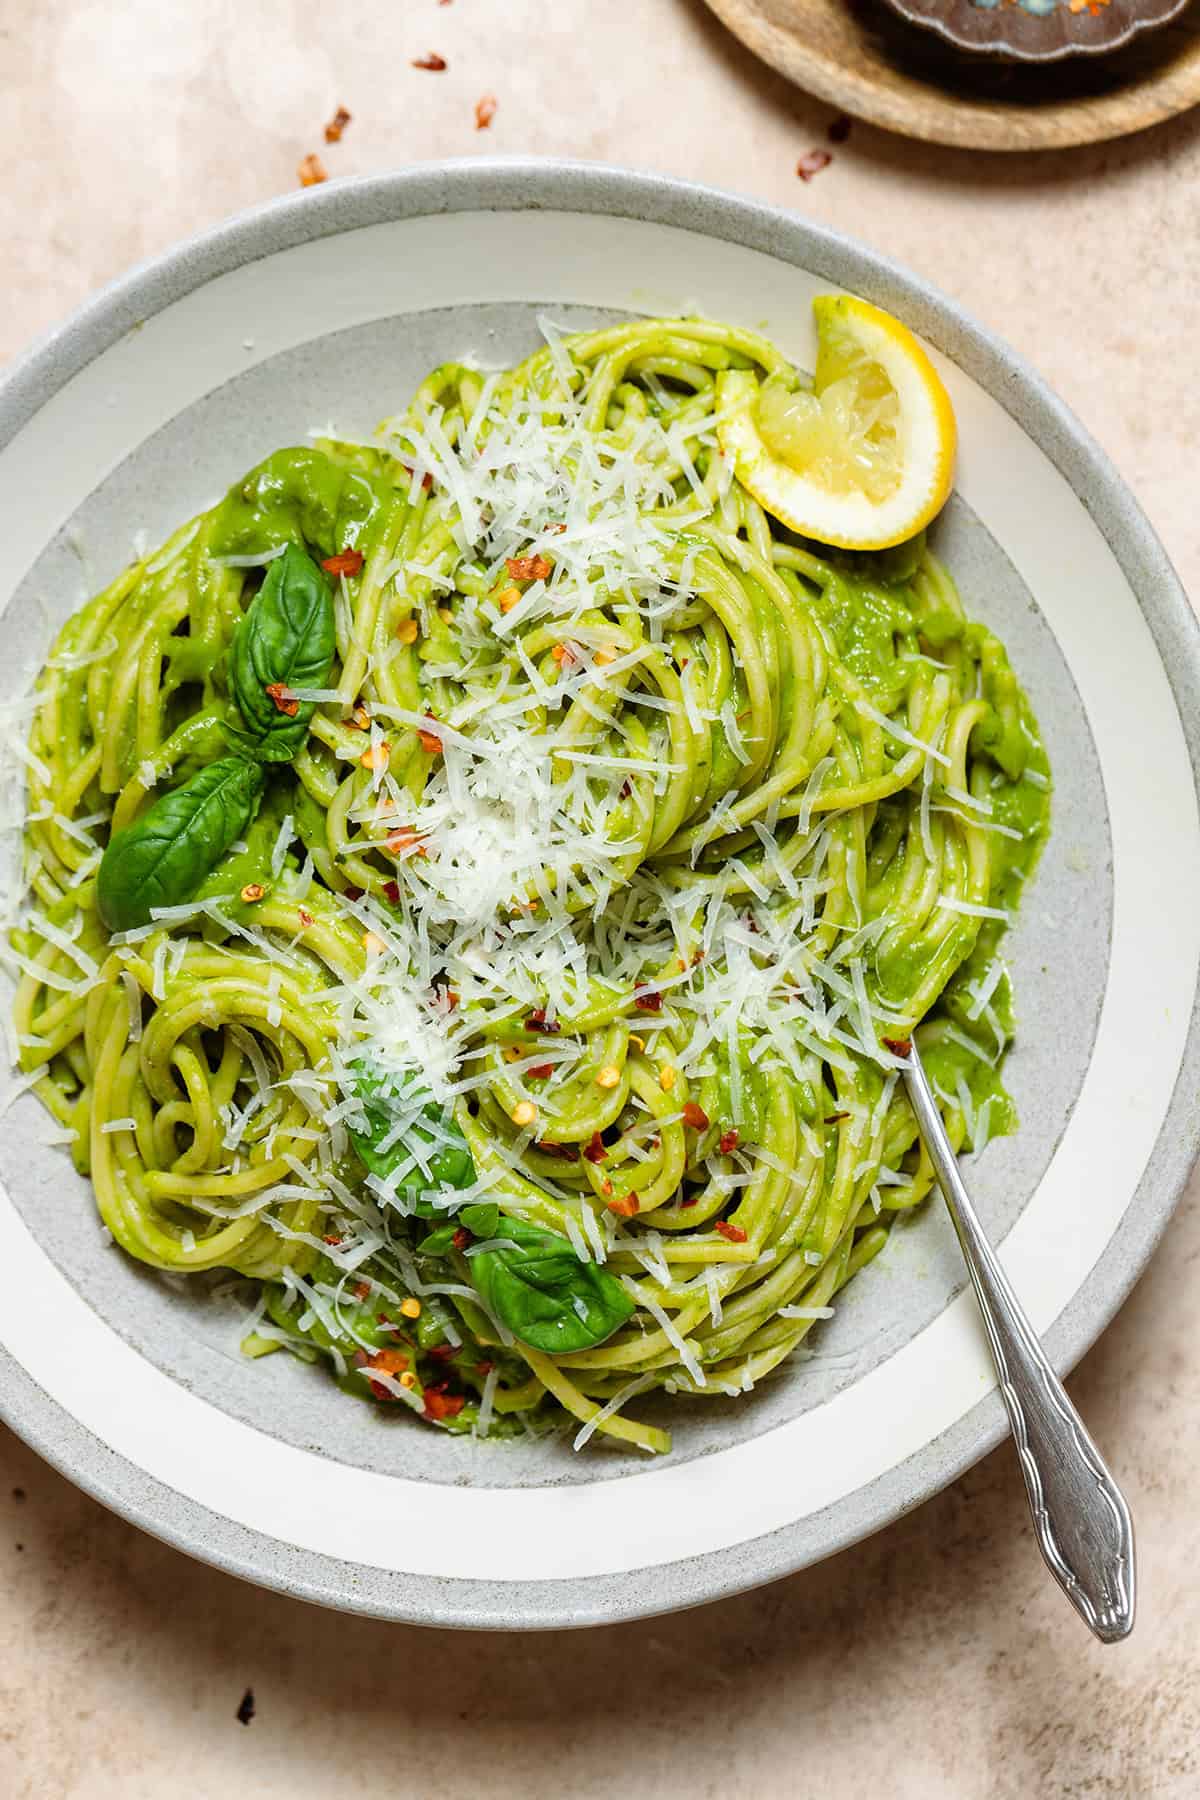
865, 458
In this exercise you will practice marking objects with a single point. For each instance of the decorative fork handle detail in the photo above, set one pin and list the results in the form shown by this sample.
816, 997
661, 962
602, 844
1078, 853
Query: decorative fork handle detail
1080, 1516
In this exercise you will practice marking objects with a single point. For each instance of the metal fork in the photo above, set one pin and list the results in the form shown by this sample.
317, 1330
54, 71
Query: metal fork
1080, 1516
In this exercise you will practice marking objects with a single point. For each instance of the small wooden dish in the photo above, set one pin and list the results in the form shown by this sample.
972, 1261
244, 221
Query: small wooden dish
861, 56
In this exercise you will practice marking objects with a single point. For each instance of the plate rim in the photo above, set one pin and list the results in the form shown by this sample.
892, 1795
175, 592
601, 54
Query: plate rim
522, 184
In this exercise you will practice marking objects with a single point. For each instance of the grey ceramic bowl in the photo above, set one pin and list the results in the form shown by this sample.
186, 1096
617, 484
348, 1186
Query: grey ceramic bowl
329, 306
1039, 30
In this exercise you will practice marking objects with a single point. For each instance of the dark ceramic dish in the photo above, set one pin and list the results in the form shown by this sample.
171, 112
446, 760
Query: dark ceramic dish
1039, 30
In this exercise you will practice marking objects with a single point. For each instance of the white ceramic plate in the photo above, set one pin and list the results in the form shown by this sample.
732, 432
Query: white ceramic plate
328, 307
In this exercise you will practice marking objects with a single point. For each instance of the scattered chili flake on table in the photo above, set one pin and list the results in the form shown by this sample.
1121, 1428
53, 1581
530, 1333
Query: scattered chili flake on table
812, 162
733, 1233
311, 170
284, 700
346, 562
839, 129
433, 62
337, 125
245, 1711
485, 112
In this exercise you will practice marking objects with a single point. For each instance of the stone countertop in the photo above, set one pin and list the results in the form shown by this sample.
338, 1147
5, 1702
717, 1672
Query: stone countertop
936, 1661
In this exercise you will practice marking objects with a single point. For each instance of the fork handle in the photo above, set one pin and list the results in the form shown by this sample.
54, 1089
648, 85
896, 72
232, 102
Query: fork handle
1080, 1516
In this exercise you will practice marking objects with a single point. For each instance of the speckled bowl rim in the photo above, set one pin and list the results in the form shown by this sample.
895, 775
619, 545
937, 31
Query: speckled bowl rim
520, 184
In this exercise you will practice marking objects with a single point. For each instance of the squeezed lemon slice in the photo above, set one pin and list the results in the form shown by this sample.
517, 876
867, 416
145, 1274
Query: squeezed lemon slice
864, 459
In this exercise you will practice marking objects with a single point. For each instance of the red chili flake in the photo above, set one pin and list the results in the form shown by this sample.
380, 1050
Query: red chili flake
346, 562
695, 1116
485, 111
361, 1289
333, 1240
733, 1233
898, 1046
405, 837
311, 170
628, 1208
537, 1021
304, 916
448, 997
443, 1406
336, 125
431, 743
440, 1352
282, 697
360, 1359
812, 162
564, 1152
391, 892
461, 1239
694, 1201
836, 1118
426, 479
353, 893
729, 1141
595, 1150
650, 1003
527, 568
391, 1362
838, 129
433, 62
484, 1368
541, 1071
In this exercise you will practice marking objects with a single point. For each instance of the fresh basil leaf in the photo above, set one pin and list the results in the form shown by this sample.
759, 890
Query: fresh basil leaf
383, 1097
284, 641
440, 1241
482, 1221
546, 1296
301, 496
164, 856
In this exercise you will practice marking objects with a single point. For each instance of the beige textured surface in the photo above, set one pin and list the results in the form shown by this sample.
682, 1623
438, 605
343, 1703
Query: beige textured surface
936, 1662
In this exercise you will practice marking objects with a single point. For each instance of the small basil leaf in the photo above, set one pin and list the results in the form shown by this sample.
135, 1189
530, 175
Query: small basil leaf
164, 856
440, 1241
482, 1221
383, 1099
284, 641
546, 1296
